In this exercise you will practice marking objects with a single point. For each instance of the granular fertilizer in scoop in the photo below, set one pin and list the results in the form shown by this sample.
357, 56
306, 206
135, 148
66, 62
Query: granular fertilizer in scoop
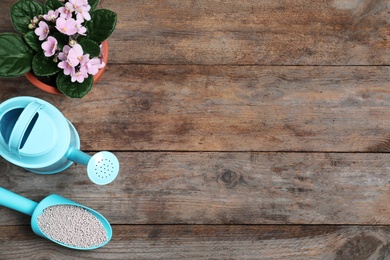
72, 225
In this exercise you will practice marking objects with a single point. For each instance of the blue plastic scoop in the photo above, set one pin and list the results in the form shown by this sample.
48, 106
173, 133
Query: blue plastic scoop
36, 210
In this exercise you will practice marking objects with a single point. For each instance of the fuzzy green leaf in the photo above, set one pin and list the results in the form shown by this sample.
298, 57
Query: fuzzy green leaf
62, 39
15, 55
90, 47
44, 66
33, 41
74, 89
93, 4
101, 25
52, 5
22, 12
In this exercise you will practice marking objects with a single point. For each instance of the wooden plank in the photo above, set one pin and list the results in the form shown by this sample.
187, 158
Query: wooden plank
212, 242
229, 108
251, 32
337, 32
222, 188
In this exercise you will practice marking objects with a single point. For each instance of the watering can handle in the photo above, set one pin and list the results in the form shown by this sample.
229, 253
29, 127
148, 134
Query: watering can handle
21, 126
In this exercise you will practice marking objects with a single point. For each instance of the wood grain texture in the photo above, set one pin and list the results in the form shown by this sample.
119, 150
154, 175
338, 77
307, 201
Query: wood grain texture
211, 242
244, 129
229, 108
253, 32
300, 32
222, 188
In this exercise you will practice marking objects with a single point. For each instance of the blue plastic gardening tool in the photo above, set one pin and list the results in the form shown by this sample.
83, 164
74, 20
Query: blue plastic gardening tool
19, 203
36, 136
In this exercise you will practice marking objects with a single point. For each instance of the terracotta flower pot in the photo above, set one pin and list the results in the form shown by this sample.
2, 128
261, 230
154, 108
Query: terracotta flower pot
53, 90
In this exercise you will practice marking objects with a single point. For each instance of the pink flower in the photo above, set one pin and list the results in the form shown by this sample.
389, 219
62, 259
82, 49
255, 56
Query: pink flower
81, 9
75, 55
66, 26
42, 31
51, 16
94, 65
49, 46
64, 54
80, 29
68, 70
84, 60
66, 11
79, 75
83, 13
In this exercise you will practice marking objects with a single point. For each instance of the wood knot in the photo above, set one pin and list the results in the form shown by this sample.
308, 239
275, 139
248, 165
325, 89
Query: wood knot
229, 178
381, 146
144, 104
358, 247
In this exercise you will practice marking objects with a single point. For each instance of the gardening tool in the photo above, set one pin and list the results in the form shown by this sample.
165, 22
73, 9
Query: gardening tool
19, 203
36, 136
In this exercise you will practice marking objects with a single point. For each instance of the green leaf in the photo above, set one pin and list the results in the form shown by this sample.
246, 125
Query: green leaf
33, 41
90, 47
44, 66
74, 89
15, 55
62, 39
93, 4
52, 5
22, 12
101, 25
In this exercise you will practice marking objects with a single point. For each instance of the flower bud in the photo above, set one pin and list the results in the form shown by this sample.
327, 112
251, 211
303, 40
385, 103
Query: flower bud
35, 20
32, 26
72, 42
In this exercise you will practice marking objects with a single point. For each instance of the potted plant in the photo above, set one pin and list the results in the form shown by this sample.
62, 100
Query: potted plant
62, 43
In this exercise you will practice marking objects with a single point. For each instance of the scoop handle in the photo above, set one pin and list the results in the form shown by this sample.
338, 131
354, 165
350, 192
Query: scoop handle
16, 202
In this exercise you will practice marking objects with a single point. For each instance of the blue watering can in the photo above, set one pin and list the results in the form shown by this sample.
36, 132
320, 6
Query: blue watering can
36, 136
19, 203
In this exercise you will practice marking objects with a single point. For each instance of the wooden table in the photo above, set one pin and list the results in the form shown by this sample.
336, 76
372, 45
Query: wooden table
256, 129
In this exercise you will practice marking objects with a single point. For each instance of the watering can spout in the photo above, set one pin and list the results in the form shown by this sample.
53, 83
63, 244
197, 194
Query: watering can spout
78, 156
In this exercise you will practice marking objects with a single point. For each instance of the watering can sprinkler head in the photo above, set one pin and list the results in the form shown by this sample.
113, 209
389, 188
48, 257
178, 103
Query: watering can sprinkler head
102, 167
